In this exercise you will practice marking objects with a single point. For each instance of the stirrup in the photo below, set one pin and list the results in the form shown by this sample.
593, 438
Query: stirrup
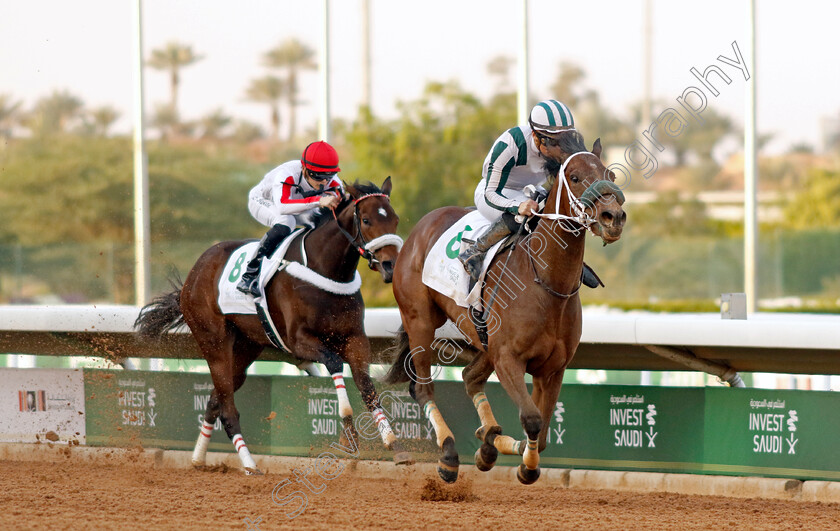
249, 285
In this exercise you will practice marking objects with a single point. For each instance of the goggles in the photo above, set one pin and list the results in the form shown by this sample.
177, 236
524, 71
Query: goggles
320, 176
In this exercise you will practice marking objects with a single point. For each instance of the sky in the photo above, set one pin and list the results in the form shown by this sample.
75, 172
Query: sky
86, 47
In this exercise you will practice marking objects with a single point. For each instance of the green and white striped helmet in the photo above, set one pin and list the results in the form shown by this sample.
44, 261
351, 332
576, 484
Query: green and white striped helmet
551, 116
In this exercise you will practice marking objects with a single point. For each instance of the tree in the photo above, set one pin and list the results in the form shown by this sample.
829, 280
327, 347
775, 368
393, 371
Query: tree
9, 113
54, 113
291, 56
817, 204
172, 58
499, 68
166, 120
245, 132
698, 138
214, 124
270, 90
565, 87
102, 119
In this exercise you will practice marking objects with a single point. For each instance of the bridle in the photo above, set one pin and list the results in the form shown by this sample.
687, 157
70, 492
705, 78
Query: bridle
366, 249
578, 208
580, 216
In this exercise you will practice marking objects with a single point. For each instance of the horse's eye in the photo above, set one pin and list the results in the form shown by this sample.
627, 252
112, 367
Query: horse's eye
575, 179
366, 221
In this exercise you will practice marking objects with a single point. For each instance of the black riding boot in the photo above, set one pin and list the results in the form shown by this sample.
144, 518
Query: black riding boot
473, 256
249, 283
589, 278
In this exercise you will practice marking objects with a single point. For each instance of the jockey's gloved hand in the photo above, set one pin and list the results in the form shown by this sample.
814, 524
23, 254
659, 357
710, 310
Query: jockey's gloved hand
328, 200
526, 207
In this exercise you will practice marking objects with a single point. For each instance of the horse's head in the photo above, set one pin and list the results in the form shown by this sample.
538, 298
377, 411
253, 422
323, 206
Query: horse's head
594, 199
376, 225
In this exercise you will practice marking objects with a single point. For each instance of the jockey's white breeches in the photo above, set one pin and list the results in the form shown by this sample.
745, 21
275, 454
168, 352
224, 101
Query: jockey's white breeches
486, 210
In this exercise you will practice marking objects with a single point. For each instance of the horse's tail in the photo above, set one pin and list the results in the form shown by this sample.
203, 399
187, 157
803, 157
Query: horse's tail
398, 373
163, 314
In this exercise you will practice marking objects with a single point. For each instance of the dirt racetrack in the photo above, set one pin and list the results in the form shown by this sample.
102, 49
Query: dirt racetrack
73, 495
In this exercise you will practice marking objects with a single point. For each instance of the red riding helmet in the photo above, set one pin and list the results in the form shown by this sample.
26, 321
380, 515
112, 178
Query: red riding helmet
320, 157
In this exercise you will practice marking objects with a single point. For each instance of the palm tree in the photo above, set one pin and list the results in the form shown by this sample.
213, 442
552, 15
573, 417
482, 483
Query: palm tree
53, 113
214, 124
166, 120
103, 118
245, 132
8, 115
172, 58
271, 90
291, 55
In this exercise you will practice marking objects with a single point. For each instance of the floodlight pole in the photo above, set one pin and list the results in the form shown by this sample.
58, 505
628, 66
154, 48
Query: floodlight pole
750, 168
522, 89
324, 72
142, 248
646, 62
366, 74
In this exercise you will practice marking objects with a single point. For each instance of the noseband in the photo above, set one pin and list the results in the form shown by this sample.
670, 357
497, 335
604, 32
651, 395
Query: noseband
367, 248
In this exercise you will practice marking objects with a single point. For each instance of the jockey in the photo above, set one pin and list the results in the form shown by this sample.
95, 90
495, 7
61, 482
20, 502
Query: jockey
518, 158
287, 196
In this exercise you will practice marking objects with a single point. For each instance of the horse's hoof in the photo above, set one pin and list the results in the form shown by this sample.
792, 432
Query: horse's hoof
198, 465
483, 431
526, 476
447, 473
253, 472
403, 458
485, 457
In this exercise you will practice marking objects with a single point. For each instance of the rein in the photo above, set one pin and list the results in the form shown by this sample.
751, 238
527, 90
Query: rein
367, 248
578, 207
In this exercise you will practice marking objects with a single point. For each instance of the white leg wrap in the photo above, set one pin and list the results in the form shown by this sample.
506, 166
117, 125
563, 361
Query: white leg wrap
384, 427
531, 456
200, 451
244, 454
344, 408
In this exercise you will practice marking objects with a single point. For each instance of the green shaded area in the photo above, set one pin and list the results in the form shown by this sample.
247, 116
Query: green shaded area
701, 430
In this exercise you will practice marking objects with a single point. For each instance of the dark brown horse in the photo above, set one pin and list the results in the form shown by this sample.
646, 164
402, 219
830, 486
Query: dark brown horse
316, 325
536, 315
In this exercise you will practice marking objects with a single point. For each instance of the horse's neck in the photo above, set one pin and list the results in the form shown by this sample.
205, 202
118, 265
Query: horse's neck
329, 252
559, 261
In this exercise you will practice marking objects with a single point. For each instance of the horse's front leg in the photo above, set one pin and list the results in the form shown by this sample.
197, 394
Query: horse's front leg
357, 354
511, 372
545, 394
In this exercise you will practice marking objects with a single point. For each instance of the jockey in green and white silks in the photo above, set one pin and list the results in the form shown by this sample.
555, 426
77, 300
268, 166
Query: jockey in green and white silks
517, 159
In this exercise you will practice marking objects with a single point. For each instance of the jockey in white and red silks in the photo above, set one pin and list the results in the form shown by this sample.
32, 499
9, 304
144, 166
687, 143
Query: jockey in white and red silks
284, 199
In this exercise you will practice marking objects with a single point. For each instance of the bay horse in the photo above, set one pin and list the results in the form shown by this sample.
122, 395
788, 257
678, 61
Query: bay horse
536, 315
316, 325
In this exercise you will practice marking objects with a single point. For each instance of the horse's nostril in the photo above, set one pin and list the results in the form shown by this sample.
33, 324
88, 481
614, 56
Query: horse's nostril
623, 218
388, 265
606, 218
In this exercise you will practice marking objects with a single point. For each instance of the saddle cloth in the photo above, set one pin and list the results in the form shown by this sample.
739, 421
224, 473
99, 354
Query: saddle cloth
444, 273
231, 300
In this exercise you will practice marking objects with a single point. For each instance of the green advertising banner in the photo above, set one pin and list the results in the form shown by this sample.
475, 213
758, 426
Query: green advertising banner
644, 428
164, 409
768, 432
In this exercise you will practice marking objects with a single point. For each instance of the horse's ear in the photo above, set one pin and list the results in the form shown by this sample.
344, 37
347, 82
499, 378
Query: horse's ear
386, 186
350, 189
596, 148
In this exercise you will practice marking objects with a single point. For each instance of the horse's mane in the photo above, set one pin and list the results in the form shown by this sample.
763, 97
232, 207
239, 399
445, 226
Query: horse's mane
570, 142
325, 214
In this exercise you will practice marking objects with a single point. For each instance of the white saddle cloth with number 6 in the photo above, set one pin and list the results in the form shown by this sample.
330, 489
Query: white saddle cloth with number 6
444, 273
